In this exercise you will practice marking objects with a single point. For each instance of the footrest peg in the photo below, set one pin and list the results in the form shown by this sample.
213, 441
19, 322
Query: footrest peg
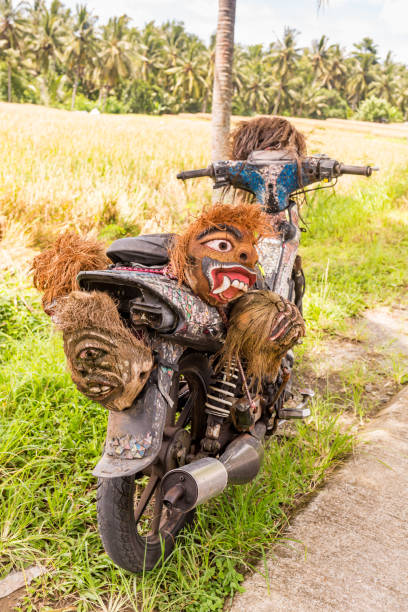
300, 411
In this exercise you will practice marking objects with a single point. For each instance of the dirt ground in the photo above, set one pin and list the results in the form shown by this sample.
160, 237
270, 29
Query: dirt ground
348, 549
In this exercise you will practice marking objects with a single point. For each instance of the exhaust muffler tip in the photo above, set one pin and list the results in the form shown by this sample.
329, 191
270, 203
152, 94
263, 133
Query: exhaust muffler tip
193, 484
173, 495
186, 487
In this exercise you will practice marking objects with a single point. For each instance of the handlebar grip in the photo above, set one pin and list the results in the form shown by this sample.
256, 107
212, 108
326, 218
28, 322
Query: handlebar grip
189, 174
360, 170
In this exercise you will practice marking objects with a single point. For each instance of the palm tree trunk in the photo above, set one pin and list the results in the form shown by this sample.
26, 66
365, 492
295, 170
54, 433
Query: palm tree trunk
9, 82
74, 92
277, 102
222, 91
205, 102
105, 89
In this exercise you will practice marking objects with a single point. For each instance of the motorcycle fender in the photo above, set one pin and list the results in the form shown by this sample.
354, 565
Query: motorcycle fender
134, 436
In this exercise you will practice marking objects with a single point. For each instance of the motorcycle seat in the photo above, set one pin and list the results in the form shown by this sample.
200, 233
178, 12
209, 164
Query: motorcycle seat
147, 250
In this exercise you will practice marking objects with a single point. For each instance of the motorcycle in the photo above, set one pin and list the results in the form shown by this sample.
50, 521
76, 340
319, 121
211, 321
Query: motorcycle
192, 430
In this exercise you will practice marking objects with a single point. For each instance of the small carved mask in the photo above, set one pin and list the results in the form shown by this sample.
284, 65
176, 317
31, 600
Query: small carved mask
107, 363
263, 327
221, 263
111, 371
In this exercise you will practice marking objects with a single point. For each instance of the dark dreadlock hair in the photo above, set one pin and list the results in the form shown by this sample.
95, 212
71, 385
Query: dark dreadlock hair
264, 133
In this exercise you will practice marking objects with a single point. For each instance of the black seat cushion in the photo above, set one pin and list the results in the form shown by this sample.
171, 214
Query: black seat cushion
148, 250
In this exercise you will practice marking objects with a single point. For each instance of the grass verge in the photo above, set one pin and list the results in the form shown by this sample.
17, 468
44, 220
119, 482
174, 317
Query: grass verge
355, 251
50, 439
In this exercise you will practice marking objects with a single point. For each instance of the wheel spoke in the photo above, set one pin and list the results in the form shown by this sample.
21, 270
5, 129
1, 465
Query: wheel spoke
158, 508
145, 496
186, 412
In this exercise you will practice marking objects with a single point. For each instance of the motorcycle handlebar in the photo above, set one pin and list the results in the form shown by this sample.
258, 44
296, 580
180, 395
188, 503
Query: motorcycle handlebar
189, 174
359, 170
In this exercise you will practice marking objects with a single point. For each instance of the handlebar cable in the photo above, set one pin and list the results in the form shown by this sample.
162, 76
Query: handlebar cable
304, 191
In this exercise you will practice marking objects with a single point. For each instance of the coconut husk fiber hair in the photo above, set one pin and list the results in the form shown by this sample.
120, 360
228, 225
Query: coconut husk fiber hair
245, 216
93, 310
264, 133
262, 327
55, 269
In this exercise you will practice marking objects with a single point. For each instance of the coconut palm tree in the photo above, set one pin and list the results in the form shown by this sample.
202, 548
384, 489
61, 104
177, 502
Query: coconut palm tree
209, 60
115, 61
174, 41
190, 73
384, 79
366, 51
149, 51
401, 93
337, 69
12, 31
285, 58
49, 35
257, 79
320, 59
81, 48
361, 75
308, 101
363, 64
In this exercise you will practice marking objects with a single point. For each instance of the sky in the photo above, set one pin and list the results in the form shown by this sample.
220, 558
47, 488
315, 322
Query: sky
263, 21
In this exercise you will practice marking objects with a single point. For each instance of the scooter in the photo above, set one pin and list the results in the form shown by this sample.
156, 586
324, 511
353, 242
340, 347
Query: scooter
192, 431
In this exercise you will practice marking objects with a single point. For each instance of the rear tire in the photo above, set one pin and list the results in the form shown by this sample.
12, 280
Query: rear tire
136, 529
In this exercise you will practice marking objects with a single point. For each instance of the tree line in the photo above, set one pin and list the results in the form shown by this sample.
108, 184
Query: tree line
54, 56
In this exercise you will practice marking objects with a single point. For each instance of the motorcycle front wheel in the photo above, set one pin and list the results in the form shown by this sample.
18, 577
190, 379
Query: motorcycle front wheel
136, 529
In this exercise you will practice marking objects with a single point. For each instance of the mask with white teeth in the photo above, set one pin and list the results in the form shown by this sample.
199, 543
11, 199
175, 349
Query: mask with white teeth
221, 264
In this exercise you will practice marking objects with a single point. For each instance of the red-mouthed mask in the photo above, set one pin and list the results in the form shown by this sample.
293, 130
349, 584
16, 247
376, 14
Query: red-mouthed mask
221, 263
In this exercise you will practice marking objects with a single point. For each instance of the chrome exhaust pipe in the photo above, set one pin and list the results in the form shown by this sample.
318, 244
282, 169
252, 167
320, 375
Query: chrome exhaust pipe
186, 487
193, 484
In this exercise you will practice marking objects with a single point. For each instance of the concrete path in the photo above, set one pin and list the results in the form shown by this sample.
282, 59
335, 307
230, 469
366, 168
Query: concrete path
348, 550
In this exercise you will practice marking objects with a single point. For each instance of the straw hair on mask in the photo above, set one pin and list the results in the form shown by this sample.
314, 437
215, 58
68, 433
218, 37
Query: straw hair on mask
93, 310
55, 269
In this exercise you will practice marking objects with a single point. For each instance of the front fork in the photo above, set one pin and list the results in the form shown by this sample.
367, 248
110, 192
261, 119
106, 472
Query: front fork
284, 275
277, 254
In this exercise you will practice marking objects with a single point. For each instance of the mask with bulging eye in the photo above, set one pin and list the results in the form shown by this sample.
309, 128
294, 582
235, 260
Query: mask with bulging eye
216, 255
221, 264
107, 363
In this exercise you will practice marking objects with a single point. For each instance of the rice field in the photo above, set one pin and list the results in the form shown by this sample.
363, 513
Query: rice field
61, 169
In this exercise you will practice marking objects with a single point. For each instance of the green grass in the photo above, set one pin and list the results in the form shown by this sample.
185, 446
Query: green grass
355, 251
50, 439
51, 436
